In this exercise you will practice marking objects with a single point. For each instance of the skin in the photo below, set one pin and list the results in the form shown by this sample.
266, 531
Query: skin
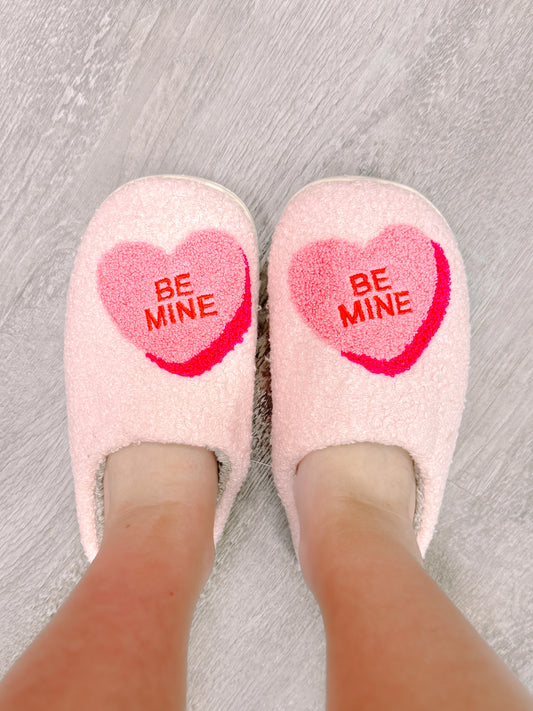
120, 640
394, 640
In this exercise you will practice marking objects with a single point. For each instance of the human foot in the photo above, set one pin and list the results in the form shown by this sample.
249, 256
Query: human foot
375, 474
160, 335
154, 474
369, 334
167, 492
350, 494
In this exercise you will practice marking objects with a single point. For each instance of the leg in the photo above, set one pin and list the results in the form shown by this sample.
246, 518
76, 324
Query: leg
120, 640
394, 640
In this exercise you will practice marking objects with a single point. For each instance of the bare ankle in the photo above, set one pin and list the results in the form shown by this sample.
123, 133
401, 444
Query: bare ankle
378, 474
154, 474
352, 496
162, 496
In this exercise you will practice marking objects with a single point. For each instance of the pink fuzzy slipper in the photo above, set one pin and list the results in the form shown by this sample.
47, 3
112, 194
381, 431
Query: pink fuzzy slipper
369, 332
160, 334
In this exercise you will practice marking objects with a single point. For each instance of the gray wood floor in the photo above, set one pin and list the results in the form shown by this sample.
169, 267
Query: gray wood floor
265, 97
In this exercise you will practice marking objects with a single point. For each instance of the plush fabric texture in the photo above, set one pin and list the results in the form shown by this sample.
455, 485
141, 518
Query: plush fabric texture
334, 286
176, 318
160, 333
369, 332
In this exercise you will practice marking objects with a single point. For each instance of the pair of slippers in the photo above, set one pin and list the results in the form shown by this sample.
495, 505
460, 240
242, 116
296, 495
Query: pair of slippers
368, 324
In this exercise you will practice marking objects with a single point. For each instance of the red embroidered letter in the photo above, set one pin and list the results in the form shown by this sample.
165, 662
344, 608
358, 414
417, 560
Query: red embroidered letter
181, 285
360, 284
163, 292
204, 302
171, 313
399, 303
379, 280
181, 309
347, 317
369, 309
160, 318
387, 307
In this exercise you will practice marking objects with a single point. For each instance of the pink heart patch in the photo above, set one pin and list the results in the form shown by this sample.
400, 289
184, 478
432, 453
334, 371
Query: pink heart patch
379, 305
185, 310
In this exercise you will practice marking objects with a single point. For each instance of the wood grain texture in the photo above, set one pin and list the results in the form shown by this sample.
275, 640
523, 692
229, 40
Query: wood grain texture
264, 97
